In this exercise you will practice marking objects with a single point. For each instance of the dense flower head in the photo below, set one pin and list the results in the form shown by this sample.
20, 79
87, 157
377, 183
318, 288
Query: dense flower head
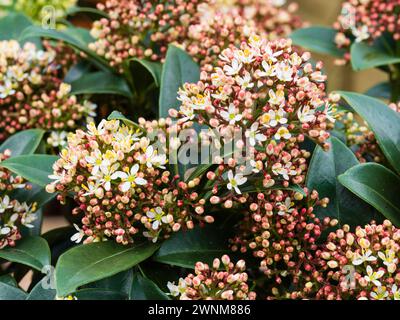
363, 264
266, 98
13, 214
32, 94
119, 176
273, 17
141, 29
224, 280
361, 139
39, 10
366, 20
281, 229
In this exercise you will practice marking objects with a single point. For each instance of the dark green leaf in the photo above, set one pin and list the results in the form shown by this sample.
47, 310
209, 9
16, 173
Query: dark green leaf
178, 69
155, 69
378, 186
101, 82
8, 292
382, 120
88, 263
75, 9
381, 91
24, 142
13, 24
324, 169
99, 294
31, 251
42, 292
77, 71
185, 248
318, 39
145, 289
120, 282
35, 168
9, 279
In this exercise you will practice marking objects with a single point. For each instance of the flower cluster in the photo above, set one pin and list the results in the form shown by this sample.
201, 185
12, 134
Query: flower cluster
265, 98
273, 17
366, 20
13, 214
141, 29
40, 10
362, 265
120, 180
226, 281
361, 139
32, 94
281, 229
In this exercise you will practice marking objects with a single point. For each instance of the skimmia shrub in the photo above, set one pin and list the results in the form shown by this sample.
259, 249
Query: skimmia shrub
220, 167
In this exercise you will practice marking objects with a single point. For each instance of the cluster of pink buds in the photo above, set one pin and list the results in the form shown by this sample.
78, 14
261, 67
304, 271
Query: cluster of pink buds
361, 265
32, 94
366, 20
264, 98
13, 214
361, 139
224, 281
141, 29
280, 228
118, 174
272, 17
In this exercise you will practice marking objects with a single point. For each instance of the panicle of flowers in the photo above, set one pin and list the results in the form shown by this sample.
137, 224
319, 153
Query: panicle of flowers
366, 20
121, 183
361, 139
32, 94
36, 10
363, 264
141, 29
281, 229
13, 214
223, 281
266, 98
275, 18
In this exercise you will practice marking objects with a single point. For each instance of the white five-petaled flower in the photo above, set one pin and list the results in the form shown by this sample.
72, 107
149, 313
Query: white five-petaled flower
97, 162
158, 217
234, 68
5, 204
365, 257
77, 237
361, 33
306, 114
389, 258
245, 81
284, 72
106, 176
130, 179
373, 276
379, 293
254, 136
176, 290
231, 115
97, 131
282, 132
6, 89
276, 98
57, 139
235, 181
152, 158
285, 207
395, 292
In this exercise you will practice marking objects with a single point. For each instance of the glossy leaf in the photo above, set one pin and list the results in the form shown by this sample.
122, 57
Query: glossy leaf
75, 9
381, 91
382, 120
317, 39
145, 289
378, 186
24, 142
366, 56
13, 24
184, 248
324, 169
120, 282
31, 251
99, 294
88, 263
42, 291
178, 69
8, 279
35, 168
101, 82
8, 292
154, 68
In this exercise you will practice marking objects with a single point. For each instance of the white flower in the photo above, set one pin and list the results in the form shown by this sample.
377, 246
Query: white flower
130, 179
277, 98
365, 257
231, 116
188, 113
77, 237
235, 181
90, 188
157, 216
234, 68
6, 89
389, 258
284, 171
273, 118
395, 292
57, 139
285, 207
5, 204
271, 54
329, 112
106, 175
374, 276
245, 56
379, 293
282, 132
284, 72
254, 136
245, 81
176, 290
97, 162
97, 131
269, 70
152, 158
5, 230
361, 34
306, 114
